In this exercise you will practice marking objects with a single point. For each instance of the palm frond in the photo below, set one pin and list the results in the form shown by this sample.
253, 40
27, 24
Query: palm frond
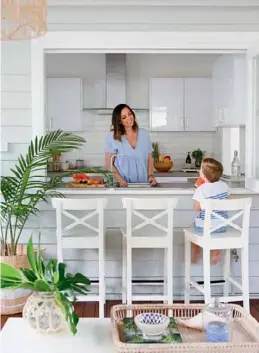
24, 189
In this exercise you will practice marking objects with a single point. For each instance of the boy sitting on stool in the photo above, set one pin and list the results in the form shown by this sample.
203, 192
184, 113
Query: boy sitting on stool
211, 188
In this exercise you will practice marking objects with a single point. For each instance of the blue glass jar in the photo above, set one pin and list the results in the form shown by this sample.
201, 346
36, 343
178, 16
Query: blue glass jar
217, 321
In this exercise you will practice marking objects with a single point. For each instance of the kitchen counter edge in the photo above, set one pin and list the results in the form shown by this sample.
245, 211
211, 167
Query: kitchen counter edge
144, 191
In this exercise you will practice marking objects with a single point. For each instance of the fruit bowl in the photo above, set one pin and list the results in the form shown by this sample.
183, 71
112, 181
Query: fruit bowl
152, 323
164, 166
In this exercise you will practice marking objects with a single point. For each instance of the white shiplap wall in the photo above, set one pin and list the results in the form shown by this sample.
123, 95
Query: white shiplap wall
139, 69
16, 102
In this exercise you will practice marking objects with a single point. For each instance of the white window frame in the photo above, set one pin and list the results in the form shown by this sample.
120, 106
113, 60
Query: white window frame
252, 182
147, 42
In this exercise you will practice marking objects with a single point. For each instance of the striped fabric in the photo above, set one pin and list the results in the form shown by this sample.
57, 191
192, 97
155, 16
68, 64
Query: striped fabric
224, 214
216, 191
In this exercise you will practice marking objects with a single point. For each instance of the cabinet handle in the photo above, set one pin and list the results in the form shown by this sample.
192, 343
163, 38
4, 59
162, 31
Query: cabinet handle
182, 123
220, 115
50, 122
186, 123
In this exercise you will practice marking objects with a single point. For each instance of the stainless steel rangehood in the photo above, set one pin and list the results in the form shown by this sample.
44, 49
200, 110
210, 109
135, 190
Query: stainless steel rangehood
115, 82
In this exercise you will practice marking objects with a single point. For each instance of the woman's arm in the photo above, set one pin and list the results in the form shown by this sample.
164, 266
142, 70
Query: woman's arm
150, 170
115, 172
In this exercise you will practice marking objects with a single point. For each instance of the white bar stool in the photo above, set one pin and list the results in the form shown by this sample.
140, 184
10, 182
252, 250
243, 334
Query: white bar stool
88, 237
134, 237
235, 237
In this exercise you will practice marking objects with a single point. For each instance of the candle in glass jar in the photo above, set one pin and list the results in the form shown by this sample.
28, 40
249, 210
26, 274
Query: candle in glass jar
217, 331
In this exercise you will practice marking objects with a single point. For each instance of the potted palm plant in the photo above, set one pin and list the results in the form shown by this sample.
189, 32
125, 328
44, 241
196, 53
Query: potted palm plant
54, 291
21, 194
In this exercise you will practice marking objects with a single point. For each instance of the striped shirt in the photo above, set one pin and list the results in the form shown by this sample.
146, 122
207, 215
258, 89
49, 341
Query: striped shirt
217, 191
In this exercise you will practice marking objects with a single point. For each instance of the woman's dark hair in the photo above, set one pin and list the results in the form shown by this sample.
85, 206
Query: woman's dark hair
117, 126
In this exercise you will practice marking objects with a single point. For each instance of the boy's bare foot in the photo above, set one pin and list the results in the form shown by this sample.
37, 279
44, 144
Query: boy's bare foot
214, 256
196, 253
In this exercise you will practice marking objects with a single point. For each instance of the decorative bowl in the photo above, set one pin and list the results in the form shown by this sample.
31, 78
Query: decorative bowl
152, 323
163, 166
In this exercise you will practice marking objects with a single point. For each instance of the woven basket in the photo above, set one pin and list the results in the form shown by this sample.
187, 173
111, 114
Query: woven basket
245, 331
13, 300
163, 166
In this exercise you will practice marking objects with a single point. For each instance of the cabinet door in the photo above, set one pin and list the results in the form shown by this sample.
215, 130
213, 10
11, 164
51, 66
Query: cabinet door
229, 82
198, 104
166, 104
64, 107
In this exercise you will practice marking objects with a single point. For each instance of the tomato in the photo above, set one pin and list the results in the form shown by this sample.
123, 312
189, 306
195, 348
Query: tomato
80, 177
95, 182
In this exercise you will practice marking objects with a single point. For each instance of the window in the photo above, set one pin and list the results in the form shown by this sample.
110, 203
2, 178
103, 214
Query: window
252, 136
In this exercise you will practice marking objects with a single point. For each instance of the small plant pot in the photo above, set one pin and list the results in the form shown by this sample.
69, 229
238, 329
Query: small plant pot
198, 163
42, 313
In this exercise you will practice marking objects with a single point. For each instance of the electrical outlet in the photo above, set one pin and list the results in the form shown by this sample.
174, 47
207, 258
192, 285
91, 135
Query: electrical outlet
234, 255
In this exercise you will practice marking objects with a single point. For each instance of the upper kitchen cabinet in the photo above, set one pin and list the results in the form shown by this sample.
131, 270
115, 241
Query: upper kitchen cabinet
178, 104
64, 104
198, 110
229, 82
166, 104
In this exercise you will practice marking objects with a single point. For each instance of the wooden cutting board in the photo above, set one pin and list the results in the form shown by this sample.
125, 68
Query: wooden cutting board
84, 186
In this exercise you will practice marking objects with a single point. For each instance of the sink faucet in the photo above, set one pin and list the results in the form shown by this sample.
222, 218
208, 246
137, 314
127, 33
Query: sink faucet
118, 155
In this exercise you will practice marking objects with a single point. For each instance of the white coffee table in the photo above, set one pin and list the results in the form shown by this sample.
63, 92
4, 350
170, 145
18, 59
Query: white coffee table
94, 336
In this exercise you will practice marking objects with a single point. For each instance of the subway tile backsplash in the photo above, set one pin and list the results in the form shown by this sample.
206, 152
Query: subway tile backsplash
175, 144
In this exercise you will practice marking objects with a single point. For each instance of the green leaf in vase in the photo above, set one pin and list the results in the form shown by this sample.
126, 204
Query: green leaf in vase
9, 271
31, 257
29, 274
42, 286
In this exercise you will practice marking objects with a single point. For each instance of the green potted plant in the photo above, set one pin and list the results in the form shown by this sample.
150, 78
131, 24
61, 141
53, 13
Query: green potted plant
54, 291
156, 152
21, 192
198, 155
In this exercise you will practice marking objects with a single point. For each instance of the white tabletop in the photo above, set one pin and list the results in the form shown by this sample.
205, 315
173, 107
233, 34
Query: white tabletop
94, 335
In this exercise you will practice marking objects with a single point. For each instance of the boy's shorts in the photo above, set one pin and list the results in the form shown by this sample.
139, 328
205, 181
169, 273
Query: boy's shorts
200, 229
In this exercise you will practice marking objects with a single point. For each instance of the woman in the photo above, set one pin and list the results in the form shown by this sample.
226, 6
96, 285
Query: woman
131, 148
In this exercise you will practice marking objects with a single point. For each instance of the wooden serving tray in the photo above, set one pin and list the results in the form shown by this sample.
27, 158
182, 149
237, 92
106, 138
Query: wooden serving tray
84, 186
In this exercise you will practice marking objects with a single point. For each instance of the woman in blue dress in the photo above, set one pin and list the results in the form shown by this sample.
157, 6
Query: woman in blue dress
129, 149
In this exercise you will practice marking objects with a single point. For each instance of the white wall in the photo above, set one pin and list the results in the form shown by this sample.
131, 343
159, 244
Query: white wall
139, 69
148, 18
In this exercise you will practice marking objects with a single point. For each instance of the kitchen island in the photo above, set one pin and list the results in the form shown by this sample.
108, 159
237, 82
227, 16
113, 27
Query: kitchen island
148, 264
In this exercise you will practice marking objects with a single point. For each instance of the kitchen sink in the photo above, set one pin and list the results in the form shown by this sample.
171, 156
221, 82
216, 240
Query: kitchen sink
139, 185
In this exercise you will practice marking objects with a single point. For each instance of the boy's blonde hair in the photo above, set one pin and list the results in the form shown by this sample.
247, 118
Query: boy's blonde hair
212, 169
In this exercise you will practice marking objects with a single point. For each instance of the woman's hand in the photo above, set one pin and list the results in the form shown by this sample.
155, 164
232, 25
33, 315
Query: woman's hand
123, 182
152, 181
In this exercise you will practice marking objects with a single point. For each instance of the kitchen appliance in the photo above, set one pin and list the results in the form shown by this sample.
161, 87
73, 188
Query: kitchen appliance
115, 83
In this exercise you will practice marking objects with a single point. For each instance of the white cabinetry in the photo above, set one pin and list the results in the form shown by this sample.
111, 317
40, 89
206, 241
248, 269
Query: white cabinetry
178, 104
229, 82
198, 104
166, 104
64, 104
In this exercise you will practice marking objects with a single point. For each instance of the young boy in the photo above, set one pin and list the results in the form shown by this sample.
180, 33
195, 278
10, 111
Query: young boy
212, 188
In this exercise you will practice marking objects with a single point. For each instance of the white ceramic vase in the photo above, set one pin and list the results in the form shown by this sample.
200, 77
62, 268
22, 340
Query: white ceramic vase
42, 313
